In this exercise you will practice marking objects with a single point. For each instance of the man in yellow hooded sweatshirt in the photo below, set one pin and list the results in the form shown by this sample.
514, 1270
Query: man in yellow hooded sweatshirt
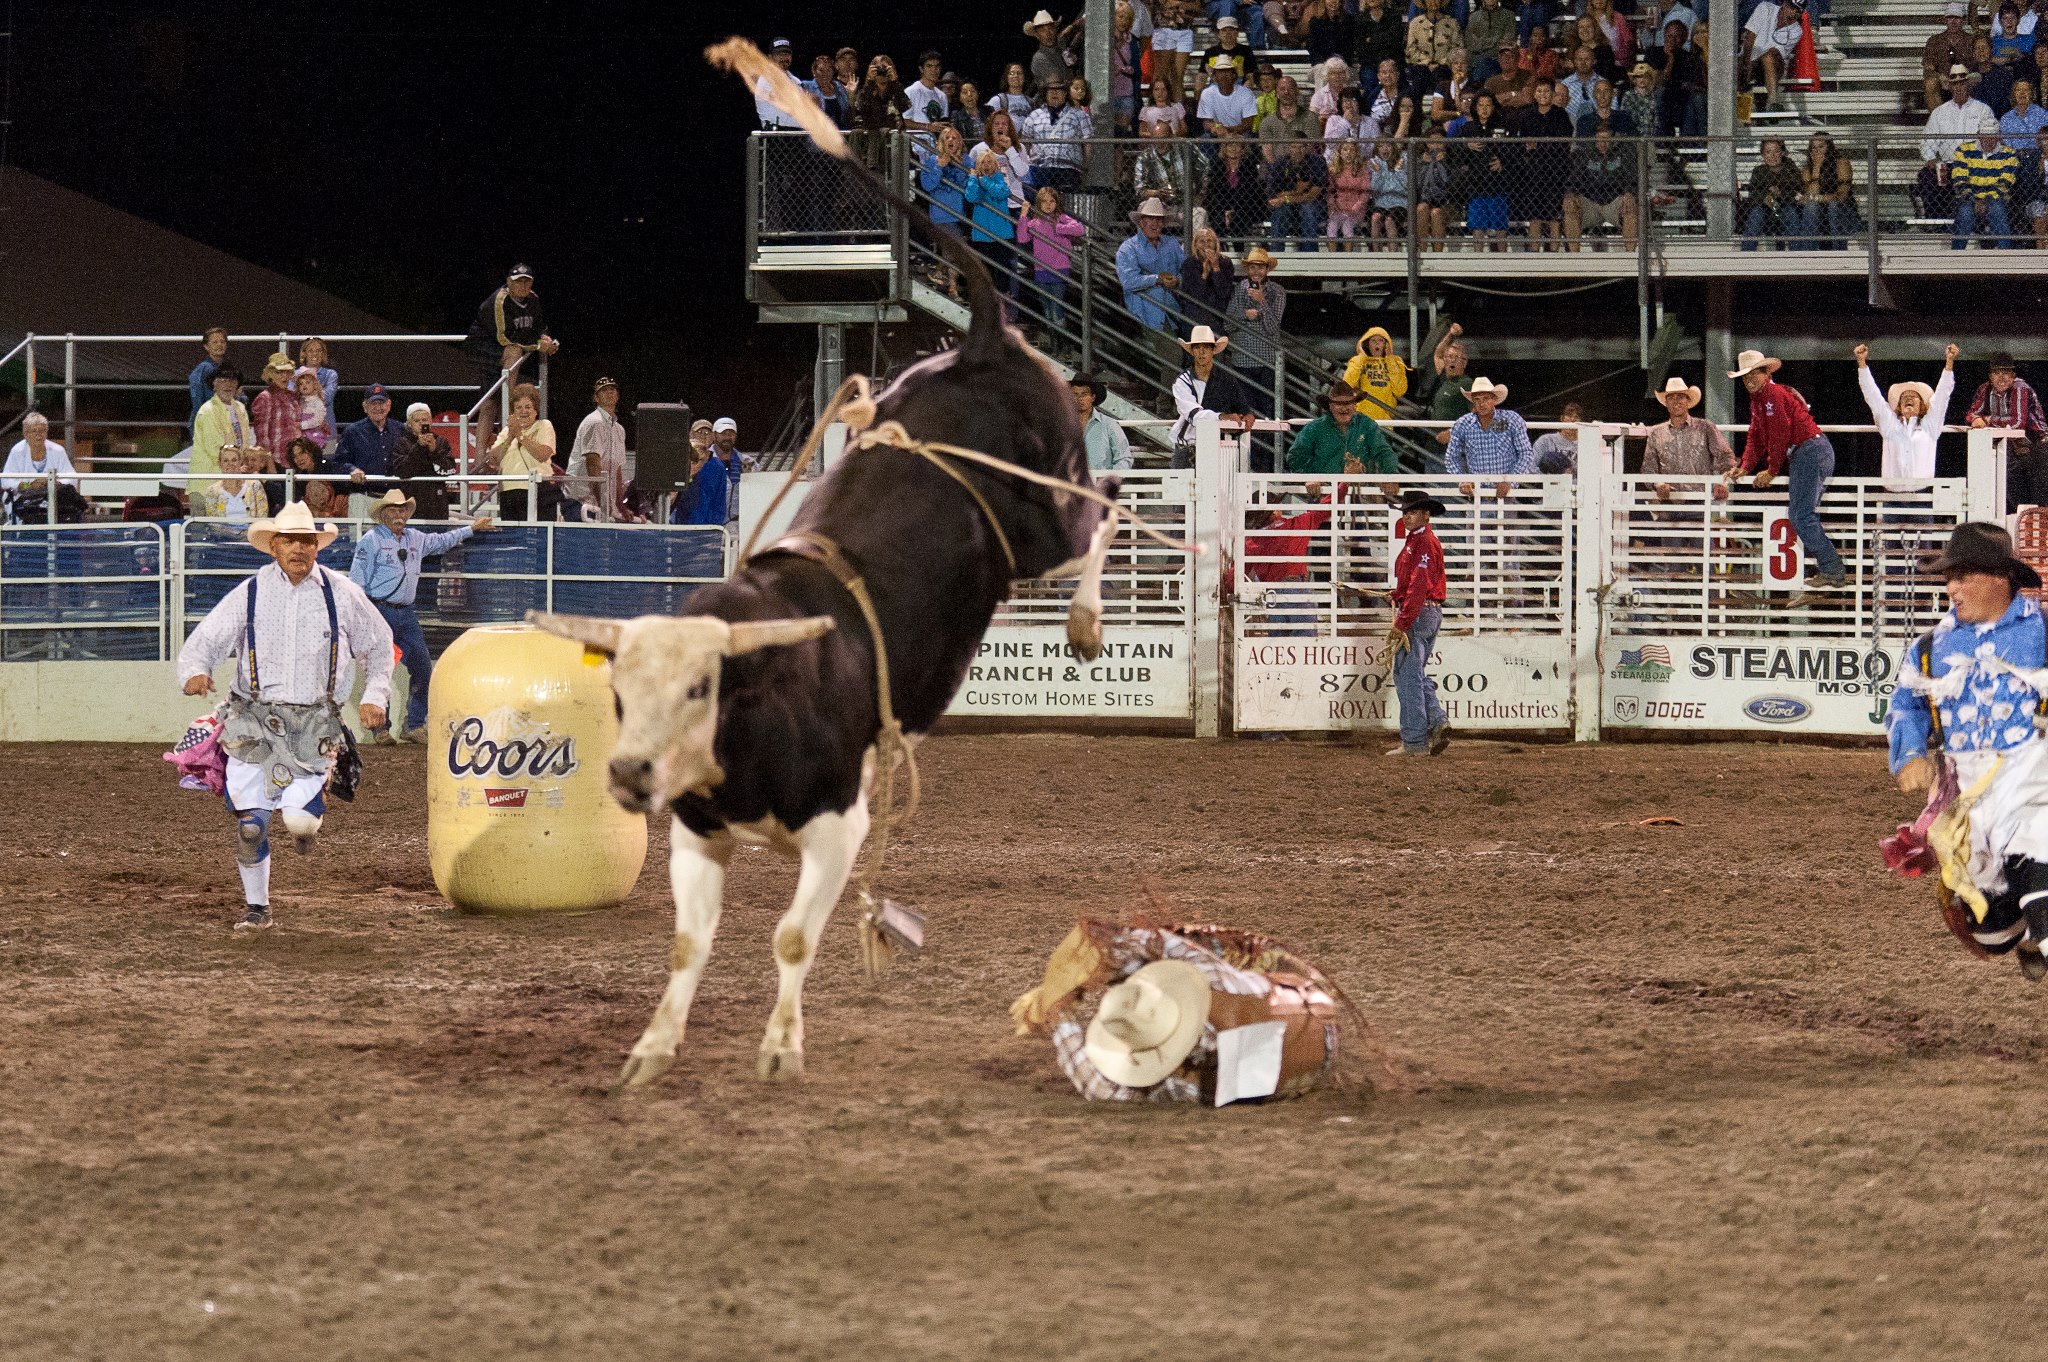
1377, 373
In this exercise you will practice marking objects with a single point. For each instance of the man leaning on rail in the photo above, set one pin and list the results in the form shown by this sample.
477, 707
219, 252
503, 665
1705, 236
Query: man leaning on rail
297, 631
387, 567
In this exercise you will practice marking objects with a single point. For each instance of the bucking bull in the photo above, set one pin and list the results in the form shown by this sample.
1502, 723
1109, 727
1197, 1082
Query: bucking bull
755, 718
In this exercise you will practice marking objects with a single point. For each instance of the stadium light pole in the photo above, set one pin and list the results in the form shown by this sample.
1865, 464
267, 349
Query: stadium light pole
1099, 22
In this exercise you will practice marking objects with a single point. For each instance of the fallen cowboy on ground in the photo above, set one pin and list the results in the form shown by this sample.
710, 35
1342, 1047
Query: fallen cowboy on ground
1185, 1013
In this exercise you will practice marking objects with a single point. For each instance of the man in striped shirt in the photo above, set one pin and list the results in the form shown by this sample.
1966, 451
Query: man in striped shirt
2010, 403
1981, 176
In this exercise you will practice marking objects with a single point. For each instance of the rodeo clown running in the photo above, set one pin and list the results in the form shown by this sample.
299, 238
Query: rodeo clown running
1964, 729
291, 626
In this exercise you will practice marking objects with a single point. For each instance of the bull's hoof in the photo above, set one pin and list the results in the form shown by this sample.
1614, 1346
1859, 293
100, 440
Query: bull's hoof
778, 1065
1084, 632
640, 1070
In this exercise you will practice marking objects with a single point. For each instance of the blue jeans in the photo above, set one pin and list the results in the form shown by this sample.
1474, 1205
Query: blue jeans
1421, 712
1808, 467
1992, 211
412, 650
1831, 224
1297, 220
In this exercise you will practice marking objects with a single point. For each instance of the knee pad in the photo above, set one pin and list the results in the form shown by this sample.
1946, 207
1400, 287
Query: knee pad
252, 837
303, 827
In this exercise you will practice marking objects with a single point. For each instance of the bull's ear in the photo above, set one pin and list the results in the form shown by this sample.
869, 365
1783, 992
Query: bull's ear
588, 630
751, 634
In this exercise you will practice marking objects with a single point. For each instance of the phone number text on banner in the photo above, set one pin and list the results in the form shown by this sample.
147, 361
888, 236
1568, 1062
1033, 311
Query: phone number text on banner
1335, 684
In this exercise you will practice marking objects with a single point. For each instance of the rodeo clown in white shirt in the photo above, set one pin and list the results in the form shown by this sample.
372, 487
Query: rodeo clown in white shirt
298, 631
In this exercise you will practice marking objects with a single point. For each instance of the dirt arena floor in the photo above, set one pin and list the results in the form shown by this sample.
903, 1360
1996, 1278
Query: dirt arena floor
1719, 1090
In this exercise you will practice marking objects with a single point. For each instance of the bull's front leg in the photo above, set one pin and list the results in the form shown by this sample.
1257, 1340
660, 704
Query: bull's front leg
696, 873
829, 844
1084, 612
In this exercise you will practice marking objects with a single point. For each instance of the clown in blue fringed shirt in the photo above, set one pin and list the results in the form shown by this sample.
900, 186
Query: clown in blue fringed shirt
1986, 704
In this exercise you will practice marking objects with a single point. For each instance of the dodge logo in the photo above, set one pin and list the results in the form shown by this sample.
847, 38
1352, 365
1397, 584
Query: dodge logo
1627, 706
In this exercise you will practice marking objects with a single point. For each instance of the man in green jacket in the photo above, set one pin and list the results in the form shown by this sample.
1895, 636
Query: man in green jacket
1341, 440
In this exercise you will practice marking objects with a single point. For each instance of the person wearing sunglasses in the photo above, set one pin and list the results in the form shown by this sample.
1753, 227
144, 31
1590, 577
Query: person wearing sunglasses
387, 567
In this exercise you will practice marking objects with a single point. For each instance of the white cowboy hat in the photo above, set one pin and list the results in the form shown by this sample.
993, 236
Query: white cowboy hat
1202, 335
1037, 21
293, 519
1920, 390
1753, 359
280, 360
391, 501
1151, 208
1486, 387
1676, 385
1145, 1026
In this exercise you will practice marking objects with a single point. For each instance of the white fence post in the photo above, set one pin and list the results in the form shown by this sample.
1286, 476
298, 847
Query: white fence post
1597, 469
1206, 533
1986, 478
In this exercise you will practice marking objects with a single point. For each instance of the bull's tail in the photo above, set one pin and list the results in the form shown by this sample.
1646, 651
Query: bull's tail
985, 327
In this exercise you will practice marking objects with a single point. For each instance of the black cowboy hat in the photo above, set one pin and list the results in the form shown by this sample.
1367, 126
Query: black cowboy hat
1419, 500
1340, 391
1981, 547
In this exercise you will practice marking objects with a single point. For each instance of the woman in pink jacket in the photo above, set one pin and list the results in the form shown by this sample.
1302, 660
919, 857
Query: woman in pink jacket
1050, 234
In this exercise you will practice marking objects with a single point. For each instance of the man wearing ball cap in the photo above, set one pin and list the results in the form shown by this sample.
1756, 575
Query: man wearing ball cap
297, 632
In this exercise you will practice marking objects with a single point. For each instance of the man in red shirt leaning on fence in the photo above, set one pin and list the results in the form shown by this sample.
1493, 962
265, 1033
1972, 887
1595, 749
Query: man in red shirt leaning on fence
1418, 614
1783, 438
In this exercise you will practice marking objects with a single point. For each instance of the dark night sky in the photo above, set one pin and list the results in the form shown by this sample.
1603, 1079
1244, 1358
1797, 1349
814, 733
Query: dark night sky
402, 155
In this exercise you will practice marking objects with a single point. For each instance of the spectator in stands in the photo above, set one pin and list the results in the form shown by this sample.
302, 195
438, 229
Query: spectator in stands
1232, 49
1488, 28
1681, 84
1173, 42
1342, 440
275, 412
1515, 85
313, 355
223, 423
1666, 11
2012, 47
1949, 48
1686, 448
1615, 32
1535, 16
1485, 172
1258, 307
1776, 198
1294, 195
387, 565
1049, 64
1603, 191
525, 448
303, 459
944, 177
509, 330
1014, 98
846, 76
725, 441
1268, 93
236, 496
966, 117
1226, 108
1433, 193
1205, 386
1488, 442
1388, 172
1539, 58
1153, 173
1123, 70
824, 87
1946, 128
1830, 178
421, 458
767, 114
1448, 402
315, 421
2023, 120
1235, 198
366, 446
1330, 30
1148, 266
1014, 161
878, 108
925, 106
1577, 86
1543, 167
1165, 111
1432, 34
1057, 134
1771, 36
1783, 438
2009, 402
1910, 416
322, 499
1385, 105
1290, 120
1377, 374
214, 340
1993, 81
1604, 116
1103, 436
1982, 177
1557, 451
1348, 125
35, 456
1640, 102
991, 230
2029, 190
1210, 279
1442, 105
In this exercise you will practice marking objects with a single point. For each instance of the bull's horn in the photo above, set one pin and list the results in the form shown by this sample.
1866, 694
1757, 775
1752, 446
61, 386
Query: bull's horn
589, 630
751, 634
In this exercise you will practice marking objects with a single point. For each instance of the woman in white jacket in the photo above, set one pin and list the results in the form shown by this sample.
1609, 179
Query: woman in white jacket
1910, 416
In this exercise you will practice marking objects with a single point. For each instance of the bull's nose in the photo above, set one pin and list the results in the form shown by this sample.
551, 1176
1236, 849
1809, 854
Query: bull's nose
629, 773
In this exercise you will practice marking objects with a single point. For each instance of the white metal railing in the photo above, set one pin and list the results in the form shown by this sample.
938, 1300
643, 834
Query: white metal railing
1143, 582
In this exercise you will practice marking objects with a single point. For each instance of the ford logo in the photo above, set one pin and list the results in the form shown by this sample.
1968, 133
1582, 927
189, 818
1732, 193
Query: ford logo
1777, 709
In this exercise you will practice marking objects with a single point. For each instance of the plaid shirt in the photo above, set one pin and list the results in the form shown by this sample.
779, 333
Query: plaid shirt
1503, 449
2018, 407
1055, 141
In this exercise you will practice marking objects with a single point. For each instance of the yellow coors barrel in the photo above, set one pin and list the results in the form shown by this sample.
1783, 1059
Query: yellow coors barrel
520, 729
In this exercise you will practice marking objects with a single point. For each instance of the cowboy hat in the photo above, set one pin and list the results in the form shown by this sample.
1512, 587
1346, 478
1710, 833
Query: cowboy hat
280, 360
1259, 255
1340, 391
1419, 500
1486, 387
1675, 385
1202, 335
1981, 547
1151, 208
293, 519
391, 501
1036, 22
1750, 360
1145, 1026
1920, 390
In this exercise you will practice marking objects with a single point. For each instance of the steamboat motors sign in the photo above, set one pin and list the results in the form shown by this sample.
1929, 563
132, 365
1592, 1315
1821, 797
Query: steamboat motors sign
1310, 684
1792, 685
1028, 671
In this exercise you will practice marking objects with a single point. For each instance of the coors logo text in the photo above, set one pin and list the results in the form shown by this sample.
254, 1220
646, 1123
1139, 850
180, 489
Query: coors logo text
470, 753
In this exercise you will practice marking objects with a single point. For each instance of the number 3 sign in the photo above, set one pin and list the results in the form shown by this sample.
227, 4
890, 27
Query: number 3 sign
1784, 555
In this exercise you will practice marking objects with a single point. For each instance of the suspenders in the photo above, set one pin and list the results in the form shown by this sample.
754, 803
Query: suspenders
333, 637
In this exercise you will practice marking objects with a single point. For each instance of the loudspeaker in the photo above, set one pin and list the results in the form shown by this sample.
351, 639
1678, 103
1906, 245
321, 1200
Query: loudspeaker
662, 459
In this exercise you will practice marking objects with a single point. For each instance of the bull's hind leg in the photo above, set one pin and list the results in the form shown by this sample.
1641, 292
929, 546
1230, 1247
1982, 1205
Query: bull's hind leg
696, 873
1084, 612
829, 843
